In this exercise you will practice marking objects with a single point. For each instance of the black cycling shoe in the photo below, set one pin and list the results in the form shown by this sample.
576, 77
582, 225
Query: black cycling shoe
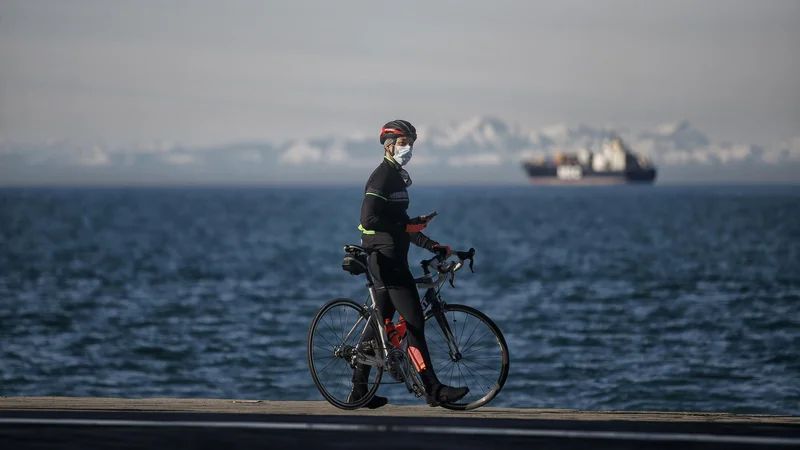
357, 393
359, 389
446, 394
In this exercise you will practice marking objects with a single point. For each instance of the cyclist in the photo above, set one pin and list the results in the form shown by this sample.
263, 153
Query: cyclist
387, 229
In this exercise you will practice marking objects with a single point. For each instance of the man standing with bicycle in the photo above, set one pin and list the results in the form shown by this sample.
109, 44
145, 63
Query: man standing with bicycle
389, 231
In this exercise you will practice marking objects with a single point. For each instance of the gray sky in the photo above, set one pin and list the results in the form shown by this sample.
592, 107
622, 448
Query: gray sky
204, 72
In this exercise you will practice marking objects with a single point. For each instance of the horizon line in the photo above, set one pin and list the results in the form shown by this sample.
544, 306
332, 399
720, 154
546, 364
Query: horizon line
301, 185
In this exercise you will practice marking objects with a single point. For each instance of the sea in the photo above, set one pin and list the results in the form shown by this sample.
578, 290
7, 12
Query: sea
636, 298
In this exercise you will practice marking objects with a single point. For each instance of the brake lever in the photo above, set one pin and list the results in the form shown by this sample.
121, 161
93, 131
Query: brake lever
470, 255
452, 277
445, 268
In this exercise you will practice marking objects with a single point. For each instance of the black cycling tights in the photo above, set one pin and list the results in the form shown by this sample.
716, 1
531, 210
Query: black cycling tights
395, 290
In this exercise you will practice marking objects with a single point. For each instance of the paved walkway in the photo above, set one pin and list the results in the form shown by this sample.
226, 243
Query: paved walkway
324, 408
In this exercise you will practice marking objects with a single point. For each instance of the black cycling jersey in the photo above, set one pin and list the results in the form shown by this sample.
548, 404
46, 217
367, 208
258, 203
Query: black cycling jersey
383, 212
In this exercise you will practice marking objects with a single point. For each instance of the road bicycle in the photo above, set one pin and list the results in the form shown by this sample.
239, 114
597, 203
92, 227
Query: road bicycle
467, 348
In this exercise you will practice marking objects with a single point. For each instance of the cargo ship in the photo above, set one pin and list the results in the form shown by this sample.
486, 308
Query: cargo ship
615, 163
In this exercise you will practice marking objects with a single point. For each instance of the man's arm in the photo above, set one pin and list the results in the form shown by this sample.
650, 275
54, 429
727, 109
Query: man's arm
420, 240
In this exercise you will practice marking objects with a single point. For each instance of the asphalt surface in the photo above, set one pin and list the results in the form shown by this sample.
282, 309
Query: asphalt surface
34, 423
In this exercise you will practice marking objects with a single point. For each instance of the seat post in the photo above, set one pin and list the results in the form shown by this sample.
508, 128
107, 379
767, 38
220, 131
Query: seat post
370, 282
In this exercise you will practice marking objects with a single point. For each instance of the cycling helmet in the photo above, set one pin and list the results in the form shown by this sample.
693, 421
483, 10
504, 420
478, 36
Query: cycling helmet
397, 128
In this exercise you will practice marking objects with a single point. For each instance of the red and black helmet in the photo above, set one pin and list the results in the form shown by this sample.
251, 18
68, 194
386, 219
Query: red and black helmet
397, 128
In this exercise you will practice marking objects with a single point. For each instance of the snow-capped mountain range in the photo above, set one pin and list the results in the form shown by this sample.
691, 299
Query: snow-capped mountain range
483, 147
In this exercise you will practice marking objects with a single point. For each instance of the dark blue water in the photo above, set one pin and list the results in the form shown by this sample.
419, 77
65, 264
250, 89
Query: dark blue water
624, 298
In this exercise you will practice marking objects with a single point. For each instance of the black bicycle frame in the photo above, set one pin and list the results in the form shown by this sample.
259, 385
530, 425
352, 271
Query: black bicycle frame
431, 298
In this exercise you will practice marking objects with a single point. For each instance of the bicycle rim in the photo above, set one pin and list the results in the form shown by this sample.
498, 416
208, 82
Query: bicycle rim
332, 374
483, 364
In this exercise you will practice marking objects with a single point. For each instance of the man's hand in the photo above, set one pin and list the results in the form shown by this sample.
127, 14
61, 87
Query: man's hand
417, 224
428, 217
442, 250
423, 219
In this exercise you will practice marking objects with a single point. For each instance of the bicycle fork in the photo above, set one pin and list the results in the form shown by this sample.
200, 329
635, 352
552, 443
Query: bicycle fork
441, 319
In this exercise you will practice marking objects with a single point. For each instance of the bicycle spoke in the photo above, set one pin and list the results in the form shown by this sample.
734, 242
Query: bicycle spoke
461, 373
341, 325
330, 327
325, 383
452, 368
473, 331
438, 352
470, 372
344, 324
442, 370
344, 371
442, 349
328, 365
463, 327
479, 339
441, 363
436, 329
445, 363
452, 324
326, 340
482, 365
324, 348
493, 344
481, 375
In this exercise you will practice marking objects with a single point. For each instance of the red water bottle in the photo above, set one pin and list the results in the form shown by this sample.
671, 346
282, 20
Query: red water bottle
401, 330
391, 332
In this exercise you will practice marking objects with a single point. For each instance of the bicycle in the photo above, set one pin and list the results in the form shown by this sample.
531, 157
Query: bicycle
445, 327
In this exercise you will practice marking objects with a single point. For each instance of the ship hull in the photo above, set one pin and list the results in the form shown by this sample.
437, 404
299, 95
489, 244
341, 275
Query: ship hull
551, 175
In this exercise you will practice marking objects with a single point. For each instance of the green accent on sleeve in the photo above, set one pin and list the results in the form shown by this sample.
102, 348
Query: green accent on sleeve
364, 230
376, 195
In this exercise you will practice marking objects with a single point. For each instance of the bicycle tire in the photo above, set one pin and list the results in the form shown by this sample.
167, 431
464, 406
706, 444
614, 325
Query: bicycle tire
310, 344
499, 338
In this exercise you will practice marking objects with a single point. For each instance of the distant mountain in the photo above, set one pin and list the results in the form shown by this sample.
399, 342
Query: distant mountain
482, 149
676, 136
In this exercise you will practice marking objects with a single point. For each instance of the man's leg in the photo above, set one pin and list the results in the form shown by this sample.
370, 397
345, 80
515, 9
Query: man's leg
371, 341
406, 300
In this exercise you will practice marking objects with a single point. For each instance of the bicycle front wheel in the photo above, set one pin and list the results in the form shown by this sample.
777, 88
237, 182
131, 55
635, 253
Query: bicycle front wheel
467, 349
332, 339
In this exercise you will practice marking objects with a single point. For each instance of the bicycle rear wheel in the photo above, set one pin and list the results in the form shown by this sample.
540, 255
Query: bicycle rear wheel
472, 353
330, 356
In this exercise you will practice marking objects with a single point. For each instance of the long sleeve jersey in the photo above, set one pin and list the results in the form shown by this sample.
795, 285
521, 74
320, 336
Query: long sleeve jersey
384, 210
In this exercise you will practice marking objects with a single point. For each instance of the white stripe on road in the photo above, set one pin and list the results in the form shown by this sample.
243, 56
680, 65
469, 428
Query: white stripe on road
515, 432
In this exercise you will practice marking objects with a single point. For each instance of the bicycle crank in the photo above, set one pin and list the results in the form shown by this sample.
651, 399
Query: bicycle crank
400, 370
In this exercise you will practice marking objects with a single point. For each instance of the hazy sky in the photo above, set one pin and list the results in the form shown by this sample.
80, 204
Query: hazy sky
211, 71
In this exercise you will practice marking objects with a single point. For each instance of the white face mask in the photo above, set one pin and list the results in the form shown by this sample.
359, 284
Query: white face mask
403, 155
